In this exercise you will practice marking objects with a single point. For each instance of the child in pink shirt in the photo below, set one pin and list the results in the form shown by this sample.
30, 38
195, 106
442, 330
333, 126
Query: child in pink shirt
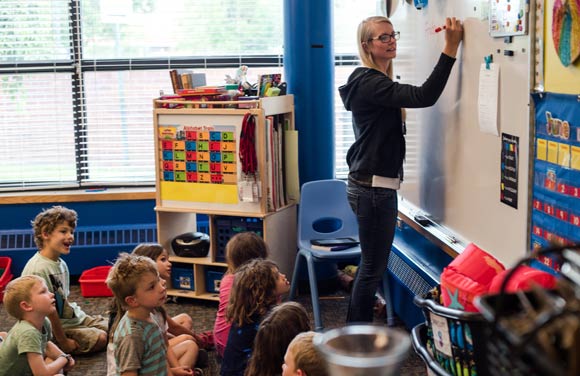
241, 248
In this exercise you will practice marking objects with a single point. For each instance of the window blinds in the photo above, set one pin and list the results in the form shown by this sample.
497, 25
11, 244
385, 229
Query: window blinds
78, 78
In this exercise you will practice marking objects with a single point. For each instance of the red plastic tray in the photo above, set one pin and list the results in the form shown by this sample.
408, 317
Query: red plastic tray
5, 263
93, 282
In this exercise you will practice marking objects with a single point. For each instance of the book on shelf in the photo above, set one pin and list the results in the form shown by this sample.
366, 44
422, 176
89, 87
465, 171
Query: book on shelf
183, 79
277, 195
202, 90
272, 199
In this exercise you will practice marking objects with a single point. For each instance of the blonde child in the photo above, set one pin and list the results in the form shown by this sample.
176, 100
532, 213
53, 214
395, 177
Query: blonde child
240, 248
74, 331
24, 349
256, 289
139, 343
302, 358
278, 328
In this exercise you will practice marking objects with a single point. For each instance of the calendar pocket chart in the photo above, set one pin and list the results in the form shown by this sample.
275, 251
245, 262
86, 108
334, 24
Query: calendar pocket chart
198, 162
198, 154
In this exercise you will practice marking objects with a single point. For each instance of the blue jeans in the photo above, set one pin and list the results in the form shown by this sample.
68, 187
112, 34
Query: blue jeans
376, 211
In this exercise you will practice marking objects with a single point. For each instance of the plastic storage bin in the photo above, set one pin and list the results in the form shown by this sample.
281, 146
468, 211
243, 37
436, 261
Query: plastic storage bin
455, 338
5, 274
93, 282
213, 278
227, 227
182, 277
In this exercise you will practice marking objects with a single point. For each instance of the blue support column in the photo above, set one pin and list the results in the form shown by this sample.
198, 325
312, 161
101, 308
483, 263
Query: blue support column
309, 72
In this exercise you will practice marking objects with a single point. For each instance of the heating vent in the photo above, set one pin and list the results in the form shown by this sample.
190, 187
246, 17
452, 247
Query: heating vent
95, 236
408, 276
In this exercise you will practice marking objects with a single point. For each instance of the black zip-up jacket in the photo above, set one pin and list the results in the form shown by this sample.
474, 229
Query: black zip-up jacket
376, 101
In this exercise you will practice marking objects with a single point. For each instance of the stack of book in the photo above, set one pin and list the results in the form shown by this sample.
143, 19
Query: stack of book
185, 79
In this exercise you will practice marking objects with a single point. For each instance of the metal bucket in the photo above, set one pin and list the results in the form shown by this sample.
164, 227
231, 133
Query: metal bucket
364, 350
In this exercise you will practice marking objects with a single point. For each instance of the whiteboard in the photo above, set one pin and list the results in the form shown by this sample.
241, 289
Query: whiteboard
452, 169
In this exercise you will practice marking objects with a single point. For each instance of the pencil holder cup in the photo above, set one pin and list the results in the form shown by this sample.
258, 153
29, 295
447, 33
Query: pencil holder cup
357, 350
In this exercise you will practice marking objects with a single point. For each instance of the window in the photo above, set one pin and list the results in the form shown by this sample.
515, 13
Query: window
347, 16
78, 78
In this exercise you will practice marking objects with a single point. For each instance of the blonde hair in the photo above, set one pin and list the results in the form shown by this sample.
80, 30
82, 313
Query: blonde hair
47, 220
364, 34
306, 356
17, 291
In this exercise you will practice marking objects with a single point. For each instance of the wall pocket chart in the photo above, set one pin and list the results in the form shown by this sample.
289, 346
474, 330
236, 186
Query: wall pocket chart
556, 182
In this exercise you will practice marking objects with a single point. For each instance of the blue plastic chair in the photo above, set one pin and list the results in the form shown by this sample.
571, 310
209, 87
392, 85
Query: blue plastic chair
325, 202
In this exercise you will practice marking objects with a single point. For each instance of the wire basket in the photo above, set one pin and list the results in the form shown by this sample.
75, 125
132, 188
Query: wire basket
455, 338
534, 333
419, 341
507, 351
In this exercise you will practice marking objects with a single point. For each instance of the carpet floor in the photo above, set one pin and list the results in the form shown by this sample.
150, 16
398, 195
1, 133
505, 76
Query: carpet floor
203, 313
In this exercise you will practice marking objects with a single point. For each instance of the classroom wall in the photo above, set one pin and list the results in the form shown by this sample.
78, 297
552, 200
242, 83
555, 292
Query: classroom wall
454, 170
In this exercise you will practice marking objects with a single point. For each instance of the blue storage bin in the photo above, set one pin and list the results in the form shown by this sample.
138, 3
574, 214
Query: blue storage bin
182, 277
213, 278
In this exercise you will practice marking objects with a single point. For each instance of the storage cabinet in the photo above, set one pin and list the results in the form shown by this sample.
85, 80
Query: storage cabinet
198, 171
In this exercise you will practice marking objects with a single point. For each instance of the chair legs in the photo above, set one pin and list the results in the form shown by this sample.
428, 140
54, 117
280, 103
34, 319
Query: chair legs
390, 316
313, 286
295, 277
314, 293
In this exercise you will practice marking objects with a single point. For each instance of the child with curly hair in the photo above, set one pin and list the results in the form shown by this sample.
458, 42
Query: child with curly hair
73, 330
256, 289
278, 328
241, 248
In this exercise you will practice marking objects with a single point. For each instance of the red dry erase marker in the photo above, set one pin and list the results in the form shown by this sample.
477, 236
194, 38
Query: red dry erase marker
440, 28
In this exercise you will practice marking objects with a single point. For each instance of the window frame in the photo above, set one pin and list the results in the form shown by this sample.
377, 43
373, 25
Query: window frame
77, 66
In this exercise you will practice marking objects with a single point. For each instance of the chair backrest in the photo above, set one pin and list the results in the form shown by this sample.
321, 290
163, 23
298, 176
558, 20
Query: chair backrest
324, 202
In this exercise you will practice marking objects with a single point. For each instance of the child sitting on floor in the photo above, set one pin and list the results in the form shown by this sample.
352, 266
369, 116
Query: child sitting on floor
302, 358
73, 330
240, 248
278, 328
24, 349
139, 343
256, 289
179, 329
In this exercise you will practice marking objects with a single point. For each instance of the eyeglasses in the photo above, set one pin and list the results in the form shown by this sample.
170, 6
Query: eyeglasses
386, 38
